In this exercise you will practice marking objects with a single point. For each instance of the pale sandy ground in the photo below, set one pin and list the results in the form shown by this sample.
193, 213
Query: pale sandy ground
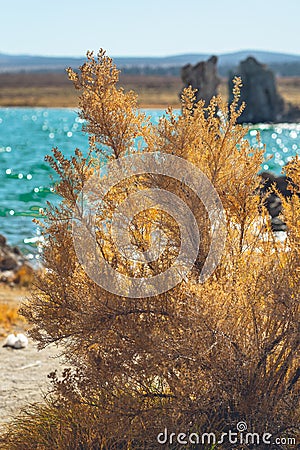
23, 373
23, 377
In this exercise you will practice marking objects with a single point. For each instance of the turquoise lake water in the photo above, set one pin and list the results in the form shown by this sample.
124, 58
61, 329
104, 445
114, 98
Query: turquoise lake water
28, 134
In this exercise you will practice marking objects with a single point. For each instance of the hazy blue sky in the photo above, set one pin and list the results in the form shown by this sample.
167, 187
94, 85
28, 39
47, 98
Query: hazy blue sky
153, 27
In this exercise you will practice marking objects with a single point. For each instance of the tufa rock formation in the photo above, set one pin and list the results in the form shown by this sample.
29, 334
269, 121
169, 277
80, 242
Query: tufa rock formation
259, 92
14, 267
272, 185
203, 77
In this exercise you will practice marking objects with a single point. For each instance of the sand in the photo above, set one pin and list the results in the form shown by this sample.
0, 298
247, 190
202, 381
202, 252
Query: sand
23, 375
23, 372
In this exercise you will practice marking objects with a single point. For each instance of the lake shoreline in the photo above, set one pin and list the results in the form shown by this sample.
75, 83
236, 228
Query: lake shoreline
49, 90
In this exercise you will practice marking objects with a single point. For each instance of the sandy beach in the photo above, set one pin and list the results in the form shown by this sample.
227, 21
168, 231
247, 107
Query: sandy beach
23, 373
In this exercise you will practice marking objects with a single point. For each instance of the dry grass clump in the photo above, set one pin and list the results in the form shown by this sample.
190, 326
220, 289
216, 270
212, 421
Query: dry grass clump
10, 299
197, 358
9, 316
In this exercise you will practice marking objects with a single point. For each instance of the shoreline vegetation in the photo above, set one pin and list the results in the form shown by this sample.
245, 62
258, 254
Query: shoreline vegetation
154, 91
10, 300
200, 357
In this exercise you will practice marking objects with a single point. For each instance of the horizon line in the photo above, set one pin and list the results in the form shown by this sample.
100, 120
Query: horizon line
153, 56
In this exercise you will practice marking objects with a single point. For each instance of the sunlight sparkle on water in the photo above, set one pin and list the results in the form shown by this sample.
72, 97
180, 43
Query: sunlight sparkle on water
30, 133
293, 134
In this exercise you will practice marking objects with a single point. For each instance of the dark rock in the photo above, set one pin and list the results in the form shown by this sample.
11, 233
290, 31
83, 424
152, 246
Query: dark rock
16, 251
14, 268
277, 224
259, 92
203, 77
271, 186
274, 205
268, 179
280, 183
8, 263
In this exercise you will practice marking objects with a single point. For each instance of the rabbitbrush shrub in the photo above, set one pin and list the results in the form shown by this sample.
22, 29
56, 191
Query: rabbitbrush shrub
200, 357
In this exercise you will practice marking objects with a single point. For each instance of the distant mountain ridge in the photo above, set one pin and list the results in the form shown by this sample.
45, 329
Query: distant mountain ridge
278, 61
223, 59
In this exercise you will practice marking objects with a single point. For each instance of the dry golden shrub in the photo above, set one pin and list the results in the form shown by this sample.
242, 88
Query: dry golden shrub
197, 358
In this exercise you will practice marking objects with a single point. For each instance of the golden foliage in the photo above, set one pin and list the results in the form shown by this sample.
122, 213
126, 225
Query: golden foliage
200, 357
9, 316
